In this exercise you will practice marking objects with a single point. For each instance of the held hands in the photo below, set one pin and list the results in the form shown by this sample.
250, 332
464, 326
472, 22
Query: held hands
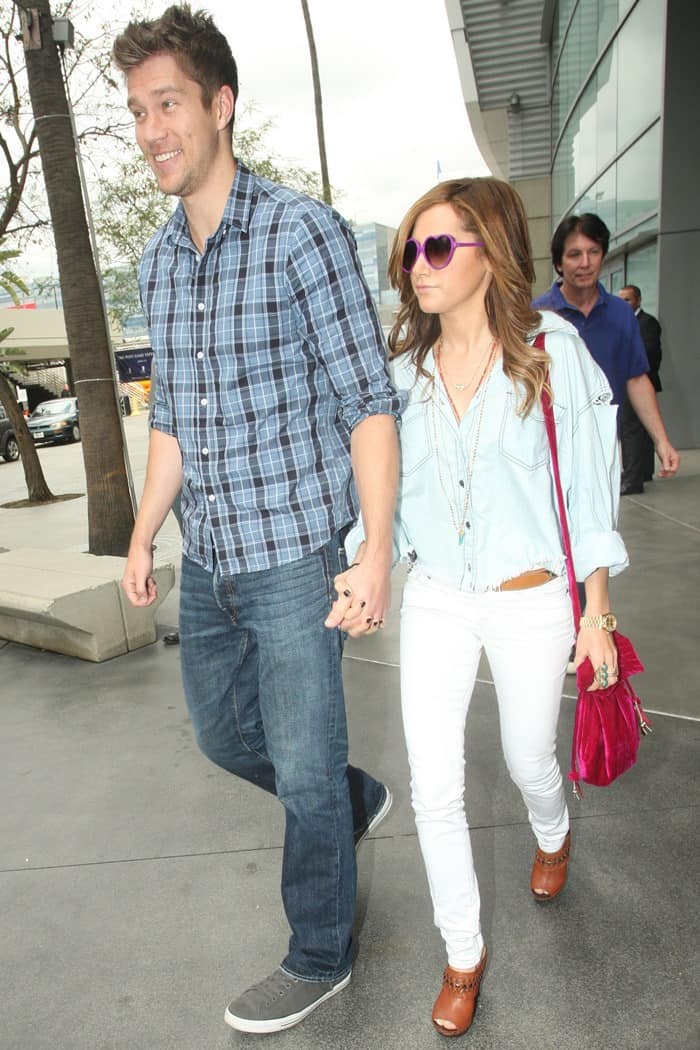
599, 646
364, 595
138, 583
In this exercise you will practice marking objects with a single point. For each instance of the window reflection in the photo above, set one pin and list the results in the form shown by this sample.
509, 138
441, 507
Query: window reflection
638, 179
588, 36
607, 20
602, 198
642, 270
622, 97
561, 20
640, 62
606, 80
585, 138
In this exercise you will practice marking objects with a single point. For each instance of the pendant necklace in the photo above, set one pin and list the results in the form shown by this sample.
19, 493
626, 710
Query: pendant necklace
463, 386
458, 509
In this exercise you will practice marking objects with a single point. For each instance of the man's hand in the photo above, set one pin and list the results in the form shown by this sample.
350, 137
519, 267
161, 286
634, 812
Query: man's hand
669, 458
138, 583
364, 595
643, 399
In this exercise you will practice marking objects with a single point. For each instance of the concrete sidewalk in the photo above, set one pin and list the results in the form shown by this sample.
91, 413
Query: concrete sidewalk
139, 885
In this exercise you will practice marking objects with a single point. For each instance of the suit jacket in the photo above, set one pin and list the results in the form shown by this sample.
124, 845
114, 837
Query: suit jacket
650, 331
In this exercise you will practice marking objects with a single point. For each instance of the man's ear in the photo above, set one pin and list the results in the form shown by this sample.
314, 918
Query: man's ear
225, 106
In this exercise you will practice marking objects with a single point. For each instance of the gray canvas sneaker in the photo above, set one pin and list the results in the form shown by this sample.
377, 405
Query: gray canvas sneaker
279, 1001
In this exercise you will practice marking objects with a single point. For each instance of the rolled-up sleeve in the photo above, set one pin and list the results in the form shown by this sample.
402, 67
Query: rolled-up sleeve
337, 317
161, 411
590, 466
160, 415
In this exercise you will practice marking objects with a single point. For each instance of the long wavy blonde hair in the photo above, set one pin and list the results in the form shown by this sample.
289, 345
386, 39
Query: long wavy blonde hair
492, 211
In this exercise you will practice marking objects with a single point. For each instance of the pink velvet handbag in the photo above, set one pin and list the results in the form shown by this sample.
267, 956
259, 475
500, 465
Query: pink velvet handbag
608, 722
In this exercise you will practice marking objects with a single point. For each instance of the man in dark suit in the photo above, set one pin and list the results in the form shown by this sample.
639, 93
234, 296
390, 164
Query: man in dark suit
637, 446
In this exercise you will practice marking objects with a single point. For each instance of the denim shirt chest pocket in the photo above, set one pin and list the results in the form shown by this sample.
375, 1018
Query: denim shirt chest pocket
523, 440
416, 444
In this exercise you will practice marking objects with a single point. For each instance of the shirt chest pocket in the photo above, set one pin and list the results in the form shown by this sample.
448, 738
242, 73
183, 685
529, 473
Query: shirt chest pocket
523, 440
416, 447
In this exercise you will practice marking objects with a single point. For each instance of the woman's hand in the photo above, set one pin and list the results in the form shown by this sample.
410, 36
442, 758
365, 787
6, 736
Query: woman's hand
364, 594
599, 646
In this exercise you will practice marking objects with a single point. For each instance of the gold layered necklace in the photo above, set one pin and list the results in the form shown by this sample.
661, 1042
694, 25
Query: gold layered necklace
463, 386
458, 507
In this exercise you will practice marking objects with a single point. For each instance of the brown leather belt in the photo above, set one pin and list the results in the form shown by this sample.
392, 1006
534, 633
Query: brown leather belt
533, 578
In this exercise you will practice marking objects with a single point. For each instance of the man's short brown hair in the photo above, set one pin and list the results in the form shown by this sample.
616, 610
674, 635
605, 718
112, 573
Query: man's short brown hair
199, 48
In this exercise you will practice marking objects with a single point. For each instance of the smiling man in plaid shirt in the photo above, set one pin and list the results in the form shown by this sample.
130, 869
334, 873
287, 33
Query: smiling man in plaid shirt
274, 413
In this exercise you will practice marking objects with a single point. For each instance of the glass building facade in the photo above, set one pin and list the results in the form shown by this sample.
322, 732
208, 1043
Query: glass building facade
607, 80
590, 105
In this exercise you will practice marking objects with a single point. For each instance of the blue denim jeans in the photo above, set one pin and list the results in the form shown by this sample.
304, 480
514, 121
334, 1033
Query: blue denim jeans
263, 682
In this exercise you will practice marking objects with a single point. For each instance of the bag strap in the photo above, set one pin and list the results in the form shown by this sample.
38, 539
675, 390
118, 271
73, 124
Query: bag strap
566, 538
563, 522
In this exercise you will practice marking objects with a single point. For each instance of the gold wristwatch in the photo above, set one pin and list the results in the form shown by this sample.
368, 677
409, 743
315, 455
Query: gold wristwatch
606, 622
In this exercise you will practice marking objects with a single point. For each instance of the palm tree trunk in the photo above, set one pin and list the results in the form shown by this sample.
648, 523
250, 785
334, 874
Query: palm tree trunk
318, 103
110, 511
37, 489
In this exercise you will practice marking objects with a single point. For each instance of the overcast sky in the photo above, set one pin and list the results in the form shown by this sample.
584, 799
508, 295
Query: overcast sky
393, 105
393, 108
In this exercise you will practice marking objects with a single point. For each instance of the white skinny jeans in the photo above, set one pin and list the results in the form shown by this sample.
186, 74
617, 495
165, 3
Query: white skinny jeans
527, 637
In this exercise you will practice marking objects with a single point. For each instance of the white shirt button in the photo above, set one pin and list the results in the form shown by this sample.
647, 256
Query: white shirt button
205, 451
212, 498
200, 307
200, 355
203, 401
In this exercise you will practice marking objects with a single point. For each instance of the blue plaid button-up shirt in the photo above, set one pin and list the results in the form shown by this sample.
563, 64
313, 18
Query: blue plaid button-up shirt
268, 352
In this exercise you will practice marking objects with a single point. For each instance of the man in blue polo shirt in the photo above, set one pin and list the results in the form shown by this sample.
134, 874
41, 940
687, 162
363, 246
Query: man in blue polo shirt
605, 323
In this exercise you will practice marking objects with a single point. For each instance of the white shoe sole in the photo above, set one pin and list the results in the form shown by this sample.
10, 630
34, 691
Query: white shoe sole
278, 1024
378, 816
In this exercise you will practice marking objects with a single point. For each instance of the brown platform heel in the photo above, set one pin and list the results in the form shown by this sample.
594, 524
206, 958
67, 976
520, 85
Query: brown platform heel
549, 872
457, 999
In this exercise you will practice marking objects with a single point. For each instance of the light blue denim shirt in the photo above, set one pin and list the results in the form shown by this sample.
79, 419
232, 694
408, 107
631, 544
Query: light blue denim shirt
512, 524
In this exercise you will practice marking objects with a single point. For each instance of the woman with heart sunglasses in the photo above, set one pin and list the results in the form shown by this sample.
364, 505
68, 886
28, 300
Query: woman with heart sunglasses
477, 522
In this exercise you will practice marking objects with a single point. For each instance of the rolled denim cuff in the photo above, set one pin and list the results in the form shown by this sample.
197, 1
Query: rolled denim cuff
598, 550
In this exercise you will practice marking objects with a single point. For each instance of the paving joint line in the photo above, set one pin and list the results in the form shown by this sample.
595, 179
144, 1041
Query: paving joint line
565, 696
669, 517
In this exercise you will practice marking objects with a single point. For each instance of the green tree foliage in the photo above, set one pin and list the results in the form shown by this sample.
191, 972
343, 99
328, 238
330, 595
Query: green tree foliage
10, 282
97, 101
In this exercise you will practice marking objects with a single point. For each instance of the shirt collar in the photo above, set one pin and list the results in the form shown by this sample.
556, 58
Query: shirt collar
237, 210
241, 199
560, 302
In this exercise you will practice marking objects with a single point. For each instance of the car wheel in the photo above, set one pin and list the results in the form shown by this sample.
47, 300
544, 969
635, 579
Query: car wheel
75, 432
11, 450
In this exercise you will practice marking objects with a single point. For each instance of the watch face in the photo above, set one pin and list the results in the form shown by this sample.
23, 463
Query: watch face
610, 622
